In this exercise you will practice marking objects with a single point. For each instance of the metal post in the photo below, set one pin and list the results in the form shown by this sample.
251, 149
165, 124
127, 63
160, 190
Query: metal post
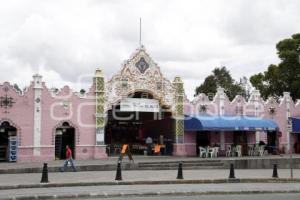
180, 174
291, 164
231, 173
45, 174
119, 172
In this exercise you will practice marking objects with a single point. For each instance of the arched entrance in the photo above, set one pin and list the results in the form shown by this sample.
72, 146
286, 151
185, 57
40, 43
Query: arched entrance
8, 142
132, 123
64, 135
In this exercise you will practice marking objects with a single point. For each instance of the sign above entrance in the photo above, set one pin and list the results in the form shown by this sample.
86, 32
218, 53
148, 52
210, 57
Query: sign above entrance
139, 105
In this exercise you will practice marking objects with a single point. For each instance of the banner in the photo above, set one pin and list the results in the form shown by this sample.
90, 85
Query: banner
139, 105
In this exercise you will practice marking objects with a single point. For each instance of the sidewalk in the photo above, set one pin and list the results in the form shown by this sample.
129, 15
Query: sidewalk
137, 159
9, 181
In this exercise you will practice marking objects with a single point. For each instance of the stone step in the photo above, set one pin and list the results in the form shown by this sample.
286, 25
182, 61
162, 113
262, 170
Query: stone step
176, 164
184, 162
176, 167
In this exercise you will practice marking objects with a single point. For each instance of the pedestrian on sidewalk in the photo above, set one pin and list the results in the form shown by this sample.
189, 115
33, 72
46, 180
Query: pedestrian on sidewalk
149, 142
126, 150
69, 160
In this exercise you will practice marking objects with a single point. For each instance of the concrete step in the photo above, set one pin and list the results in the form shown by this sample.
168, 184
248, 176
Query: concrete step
176, 164
184, 168
184, 162
213, 164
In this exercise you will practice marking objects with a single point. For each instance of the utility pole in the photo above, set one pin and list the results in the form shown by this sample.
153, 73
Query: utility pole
140, 33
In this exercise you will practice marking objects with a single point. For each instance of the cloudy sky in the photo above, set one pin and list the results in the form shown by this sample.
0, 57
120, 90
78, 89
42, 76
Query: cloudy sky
65, 40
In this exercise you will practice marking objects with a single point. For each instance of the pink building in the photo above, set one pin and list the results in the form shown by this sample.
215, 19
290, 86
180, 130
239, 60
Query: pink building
136, 103
268, 121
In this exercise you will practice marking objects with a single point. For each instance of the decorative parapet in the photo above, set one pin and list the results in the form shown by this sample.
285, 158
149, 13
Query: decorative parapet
139, 74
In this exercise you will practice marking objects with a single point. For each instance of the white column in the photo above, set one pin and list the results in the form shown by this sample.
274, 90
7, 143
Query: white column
257, 137
221, 94
222, 141
37, 114
256, 96
221, 113
286, 96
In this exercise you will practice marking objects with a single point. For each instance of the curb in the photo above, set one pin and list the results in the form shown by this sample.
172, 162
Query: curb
141, 194
160, 182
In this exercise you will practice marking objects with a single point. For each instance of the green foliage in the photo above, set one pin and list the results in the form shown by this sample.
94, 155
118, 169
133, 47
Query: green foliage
220, 77
17, 88
286, 75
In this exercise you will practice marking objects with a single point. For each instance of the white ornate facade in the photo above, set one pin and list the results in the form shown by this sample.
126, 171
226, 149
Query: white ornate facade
140, 74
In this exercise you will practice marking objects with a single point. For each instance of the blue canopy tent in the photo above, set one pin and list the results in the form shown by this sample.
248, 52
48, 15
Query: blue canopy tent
295, 124
228, 123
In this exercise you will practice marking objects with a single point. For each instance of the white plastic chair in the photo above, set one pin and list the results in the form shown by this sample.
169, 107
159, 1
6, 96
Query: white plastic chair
216, 151
256, 150
233, 151
202, 152
250, 150
261, 150
238, 150
228, 151
211, 152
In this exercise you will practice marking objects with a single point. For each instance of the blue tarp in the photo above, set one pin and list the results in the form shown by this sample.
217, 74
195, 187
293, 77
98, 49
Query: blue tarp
227, 123
295, 124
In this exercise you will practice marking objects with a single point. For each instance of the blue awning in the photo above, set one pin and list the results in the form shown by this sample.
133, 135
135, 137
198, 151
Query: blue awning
227, 123
295, 124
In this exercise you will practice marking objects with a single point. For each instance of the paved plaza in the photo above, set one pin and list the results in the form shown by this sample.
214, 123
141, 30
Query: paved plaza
138, 176
138, 159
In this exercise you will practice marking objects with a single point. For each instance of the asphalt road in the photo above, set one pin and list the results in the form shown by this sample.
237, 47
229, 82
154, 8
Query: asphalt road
215, 197
159, 191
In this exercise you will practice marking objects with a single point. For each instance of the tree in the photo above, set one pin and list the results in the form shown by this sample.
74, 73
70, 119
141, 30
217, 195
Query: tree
17, 88
282, 77
220, 77
82, 91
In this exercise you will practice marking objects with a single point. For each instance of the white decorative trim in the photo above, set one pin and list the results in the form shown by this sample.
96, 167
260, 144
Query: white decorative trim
87, 145
30, 147
37, 115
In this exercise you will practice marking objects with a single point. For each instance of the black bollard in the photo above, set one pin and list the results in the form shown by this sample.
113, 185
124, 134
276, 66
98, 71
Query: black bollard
275, 174
45, 174
231, 174
179, 174
119, 173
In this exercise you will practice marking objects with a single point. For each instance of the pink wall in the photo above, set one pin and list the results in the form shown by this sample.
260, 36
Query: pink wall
80, 114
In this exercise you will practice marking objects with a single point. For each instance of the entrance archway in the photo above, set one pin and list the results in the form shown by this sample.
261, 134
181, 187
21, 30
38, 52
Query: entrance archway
8, 142
133, 127
64, 135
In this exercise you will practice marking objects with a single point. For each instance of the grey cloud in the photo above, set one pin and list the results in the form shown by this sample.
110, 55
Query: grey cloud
65, 41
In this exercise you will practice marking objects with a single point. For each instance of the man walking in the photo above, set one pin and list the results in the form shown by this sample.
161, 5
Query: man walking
149, 142
69, 160
126, 150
